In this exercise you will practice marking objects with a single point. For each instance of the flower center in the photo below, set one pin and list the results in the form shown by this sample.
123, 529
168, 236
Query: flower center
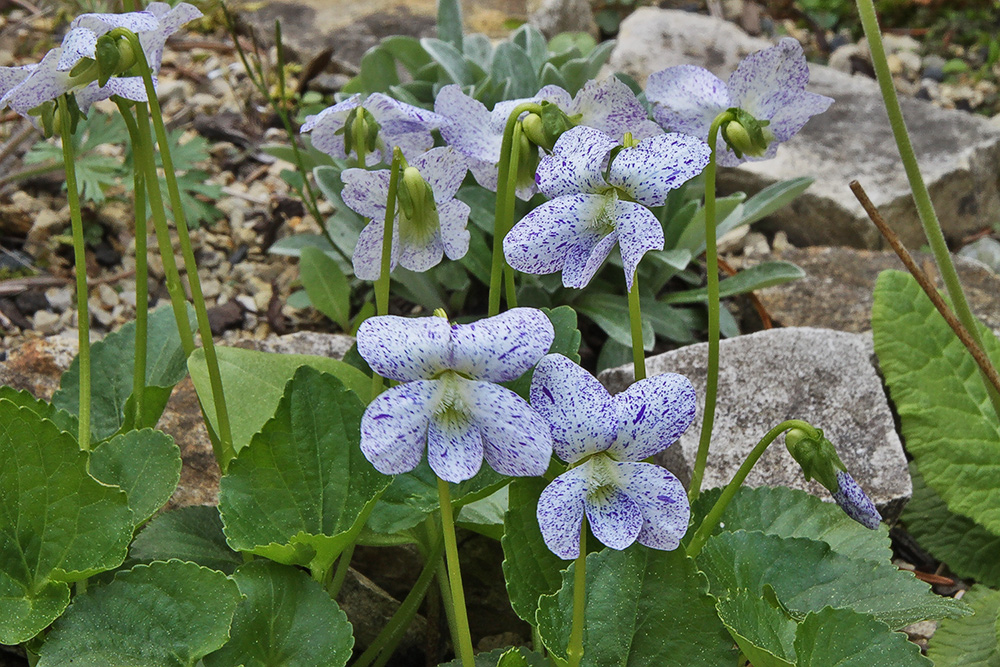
452, 406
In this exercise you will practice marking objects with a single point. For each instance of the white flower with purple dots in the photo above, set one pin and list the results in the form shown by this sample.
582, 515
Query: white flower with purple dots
605, 439
449, 403
607, 105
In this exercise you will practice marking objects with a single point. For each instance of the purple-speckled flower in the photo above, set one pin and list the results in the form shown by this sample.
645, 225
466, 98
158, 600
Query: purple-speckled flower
417, 242
25, 88
575, 231
769, 85
449, 403
608, 105
478, 133
398, 124
855, 502
604, 438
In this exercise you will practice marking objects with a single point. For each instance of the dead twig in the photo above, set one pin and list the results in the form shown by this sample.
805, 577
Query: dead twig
18, 285
927, 286
758, 305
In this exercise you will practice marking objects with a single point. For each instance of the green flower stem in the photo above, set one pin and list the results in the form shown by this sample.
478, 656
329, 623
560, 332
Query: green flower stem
635, 319
194, 282
711, 520
142, 148
390, 636
80, 264
343, 565
382, 284
505, 200
141, 295
712, 268
463, 641
921, 197
574, 650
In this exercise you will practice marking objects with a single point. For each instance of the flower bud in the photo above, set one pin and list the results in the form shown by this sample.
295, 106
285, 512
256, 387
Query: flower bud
816, 455
746, 135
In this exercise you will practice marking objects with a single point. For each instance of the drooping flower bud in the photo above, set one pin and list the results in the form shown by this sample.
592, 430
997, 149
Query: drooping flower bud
115, 55
746, 135
545, 127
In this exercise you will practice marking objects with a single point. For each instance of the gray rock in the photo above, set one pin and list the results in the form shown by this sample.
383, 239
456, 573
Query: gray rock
824, 377
552, 17
985, 250
837, 290
46, 322
959, 153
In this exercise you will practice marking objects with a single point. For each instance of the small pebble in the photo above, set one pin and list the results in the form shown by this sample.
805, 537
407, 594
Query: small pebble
59, 298
45, 322
107, 295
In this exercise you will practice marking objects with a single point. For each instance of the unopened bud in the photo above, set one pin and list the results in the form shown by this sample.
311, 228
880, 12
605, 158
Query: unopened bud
816, 455
746, 135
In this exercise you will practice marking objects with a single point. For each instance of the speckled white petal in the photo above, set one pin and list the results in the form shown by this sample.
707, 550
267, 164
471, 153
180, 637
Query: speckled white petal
576, 164
410, 144
405, 348
419, 254
787, 120
171, 21
855, 502
761, 74
639, 231
558, 96
486, 173
560, 513
454, 219
614, 518
78, 43
584, 259
501, 348
652, 415
469, 127
102, 23
367, 257
454, 448
394, 427
610, 106
443, 168
657, 165
398, 117
326, 123
502, 111
687, 99
131, 88
541, 241
579, 410
44, 83
516, 439
365, 192
661, 500
12, 76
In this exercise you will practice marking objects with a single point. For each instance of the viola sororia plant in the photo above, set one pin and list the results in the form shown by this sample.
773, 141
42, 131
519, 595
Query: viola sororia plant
319, 456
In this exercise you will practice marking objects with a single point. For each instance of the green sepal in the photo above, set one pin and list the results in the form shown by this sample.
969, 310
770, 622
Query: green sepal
817, 457
746, 134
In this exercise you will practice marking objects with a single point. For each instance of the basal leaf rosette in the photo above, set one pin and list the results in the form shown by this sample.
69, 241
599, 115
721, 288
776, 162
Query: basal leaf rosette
301, 490
449, 404
57, 525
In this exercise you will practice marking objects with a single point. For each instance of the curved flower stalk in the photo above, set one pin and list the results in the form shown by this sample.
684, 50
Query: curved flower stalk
450, 403
768, 85
605, 438
478, 134
432, 225
607, 105
371, 128
591, 211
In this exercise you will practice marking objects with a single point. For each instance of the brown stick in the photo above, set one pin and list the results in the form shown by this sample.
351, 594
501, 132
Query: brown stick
925, 284
757, 304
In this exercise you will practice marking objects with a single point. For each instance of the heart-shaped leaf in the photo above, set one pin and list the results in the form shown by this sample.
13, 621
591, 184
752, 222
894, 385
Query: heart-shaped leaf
190, 534
145, 464
973, 641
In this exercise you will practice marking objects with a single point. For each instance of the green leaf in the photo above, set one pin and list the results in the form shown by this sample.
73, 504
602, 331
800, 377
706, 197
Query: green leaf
451, 61
532, 41
327, 287
449, 22
159, 615
566, 42
808, 575
791, 513
407, 51
765, 274
254, 382
478, 48
301, 491
24, 399
764, 633
378, 71
848, 639
969, 549
766, 202
284, 620
58, 524
972, 641
511, 63
610, 312
111, 367
145, 464
687, 231
935, 385
644, 607
485, 516
504, 657
529, 568
189, 534
550, 76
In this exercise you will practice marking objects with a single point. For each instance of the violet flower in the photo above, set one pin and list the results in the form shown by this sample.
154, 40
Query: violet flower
449, 403
380, 121
769, 85
608, 105
420, 240
855, 502
605, 438
589, 213
478, 134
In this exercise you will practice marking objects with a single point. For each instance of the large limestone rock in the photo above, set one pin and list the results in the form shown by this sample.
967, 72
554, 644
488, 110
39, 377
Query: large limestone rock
959, 153
824, 377
837, 290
